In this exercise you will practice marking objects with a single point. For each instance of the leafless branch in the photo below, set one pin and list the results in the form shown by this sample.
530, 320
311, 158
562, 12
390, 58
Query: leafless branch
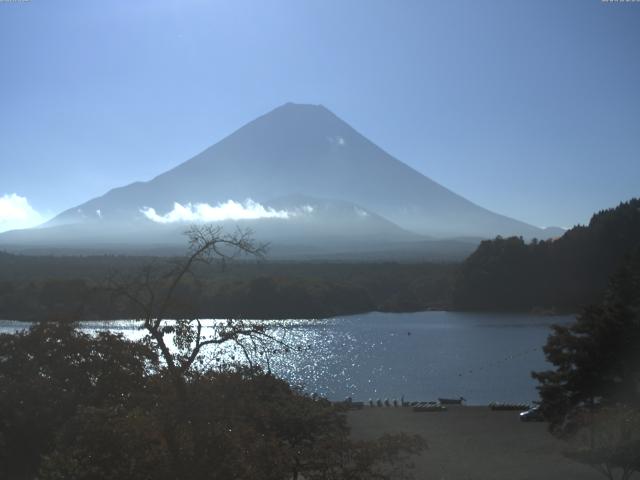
152, 294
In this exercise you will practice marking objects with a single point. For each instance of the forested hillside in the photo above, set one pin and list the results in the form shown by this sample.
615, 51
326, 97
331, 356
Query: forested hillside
553, 275
49, 287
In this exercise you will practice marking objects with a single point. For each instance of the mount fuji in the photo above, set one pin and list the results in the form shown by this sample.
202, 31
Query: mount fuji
296, 175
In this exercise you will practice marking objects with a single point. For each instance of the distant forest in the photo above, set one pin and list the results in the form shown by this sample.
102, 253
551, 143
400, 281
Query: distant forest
49, 287
559, 275
504, 274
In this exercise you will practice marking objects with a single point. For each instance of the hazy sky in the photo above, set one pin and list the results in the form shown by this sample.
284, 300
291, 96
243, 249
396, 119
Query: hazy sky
531, 109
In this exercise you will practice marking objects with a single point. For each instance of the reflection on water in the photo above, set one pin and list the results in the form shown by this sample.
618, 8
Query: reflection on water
423, 355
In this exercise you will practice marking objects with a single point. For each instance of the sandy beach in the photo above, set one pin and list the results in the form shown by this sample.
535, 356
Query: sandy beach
475, 443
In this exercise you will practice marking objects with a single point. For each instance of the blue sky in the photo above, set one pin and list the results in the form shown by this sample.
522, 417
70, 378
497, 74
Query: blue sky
528, 108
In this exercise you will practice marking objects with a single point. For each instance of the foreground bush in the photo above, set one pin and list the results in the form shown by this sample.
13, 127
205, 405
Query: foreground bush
47, 374
73, 406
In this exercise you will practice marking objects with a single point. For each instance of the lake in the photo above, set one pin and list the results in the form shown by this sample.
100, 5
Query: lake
483, 357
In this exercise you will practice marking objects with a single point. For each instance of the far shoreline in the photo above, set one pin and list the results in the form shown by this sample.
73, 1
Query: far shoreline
544, 313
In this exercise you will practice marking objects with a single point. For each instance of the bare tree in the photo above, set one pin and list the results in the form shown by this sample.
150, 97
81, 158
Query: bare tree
152, 292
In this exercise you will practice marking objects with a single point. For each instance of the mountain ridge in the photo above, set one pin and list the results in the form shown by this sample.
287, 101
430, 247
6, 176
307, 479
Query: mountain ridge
301, 148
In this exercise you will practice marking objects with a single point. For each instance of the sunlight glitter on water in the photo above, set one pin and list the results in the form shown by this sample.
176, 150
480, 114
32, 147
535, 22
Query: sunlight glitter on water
421, 356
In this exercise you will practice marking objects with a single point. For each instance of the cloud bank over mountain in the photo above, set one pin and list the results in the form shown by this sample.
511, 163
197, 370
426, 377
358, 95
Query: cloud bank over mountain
203, 212
17, 213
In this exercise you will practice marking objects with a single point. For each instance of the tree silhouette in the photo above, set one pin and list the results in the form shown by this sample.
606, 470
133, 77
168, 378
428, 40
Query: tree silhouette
154, 293
563, 274
594, 389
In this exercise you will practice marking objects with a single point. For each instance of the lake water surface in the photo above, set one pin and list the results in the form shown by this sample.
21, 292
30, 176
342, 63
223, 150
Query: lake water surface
424, 355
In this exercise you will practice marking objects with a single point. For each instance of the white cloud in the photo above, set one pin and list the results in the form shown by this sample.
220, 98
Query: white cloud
203, 212
16, 212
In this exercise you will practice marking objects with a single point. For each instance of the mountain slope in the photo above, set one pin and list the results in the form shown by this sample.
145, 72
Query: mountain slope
563, 274
303, 148
308, 227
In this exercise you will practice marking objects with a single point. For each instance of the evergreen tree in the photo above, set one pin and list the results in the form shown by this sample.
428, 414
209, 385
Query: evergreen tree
596, 359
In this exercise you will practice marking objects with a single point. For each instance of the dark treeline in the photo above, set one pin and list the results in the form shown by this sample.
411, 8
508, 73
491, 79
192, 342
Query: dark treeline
555, 275
76, 287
